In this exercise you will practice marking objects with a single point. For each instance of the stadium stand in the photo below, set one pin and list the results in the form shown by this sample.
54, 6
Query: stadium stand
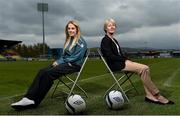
5, 45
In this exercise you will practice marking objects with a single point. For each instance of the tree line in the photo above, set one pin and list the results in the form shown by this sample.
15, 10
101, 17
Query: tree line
30, 50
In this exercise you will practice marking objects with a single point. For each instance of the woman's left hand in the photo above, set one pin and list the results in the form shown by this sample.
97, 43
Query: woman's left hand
55, 63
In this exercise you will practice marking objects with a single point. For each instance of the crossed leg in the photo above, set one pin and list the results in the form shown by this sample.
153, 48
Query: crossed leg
152, 92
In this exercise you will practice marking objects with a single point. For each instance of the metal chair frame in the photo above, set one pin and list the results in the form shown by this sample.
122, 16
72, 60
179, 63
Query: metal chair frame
74, 82
126, 75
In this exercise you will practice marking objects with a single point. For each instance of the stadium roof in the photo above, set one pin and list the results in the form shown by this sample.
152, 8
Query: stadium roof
8, 43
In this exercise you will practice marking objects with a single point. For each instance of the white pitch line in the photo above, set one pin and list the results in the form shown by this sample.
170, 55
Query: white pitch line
82, 80
170, 79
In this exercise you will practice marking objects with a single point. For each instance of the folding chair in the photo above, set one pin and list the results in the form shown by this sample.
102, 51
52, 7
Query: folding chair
126, 75
117, 83
74, 82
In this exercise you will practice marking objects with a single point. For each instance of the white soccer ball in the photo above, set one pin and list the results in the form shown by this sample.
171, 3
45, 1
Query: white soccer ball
114, 100
75, 104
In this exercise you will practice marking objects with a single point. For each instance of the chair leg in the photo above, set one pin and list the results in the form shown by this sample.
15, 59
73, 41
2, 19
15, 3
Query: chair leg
127, 78
123, 83
116, 81
133, 86
118, 85
77, 85
65, 83
74, 84
55, 89
113, 85
60, 80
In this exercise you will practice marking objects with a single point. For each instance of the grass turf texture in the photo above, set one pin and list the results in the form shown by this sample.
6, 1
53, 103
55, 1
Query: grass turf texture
17, 76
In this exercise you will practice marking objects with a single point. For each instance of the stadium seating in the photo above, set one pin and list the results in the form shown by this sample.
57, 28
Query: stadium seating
2, 58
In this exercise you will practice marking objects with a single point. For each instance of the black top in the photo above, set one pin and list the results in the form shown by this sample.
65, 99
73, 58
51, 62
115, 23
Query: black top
114, 59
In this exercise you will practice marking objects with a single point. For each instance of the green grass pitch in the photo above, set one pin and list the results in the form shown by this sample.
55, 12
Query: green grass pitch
15, 78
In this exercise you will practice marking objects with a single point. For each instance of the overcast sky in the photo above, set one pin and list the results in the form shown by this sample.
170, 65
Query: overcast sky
140, 23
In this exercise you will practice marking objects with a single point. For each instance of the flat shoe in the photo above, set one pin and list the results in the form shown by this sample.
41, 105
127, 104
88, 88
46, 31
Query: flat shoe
168, 103
152, 101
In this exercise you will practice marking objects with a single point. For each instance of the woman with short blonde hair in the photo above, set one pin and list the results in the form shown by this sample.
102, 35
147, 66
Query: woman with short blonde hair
116, 60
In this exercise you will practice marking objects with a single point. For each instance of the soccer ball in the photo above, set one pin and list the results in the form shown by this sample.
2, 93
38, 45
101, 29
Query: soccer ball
114, 100
75, 104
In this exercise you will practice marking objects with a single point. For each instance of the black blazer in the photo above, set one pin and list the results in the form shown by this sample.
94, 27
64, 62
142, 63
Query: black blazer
109, 50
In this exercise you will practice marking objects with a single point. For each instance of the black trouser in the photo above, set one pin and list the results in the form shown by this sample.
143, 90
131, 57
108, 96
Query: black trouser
44, 80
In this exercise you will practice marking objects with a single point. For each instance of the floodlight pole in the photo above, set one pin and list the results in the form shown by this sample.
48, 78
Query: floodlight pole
43, 33
43, 7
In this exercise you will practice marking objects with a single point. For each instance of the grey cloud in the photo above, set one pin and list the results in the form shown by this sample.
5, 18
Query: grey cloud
152, 37
163, 12
142, 13
20, 17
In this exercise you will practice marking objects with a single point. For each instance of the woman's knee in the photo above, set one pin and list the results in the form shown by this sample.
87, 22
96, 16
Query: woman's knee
145, 68
41, 71
49, 75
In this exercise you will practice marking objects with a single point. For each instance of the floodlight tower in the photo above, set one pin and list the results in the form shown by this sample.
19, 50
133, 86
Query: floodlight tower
43, 7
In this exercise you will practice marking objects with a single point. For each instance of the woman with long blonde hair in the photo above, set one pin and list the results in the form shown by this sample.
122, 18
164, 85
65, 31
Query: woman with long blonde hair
68, 37
70, 61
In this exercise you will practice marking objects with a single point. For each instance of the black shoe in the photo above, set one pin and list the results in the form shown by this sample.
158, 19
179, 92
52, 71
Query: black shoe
168, 103
152, 101
158, 102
